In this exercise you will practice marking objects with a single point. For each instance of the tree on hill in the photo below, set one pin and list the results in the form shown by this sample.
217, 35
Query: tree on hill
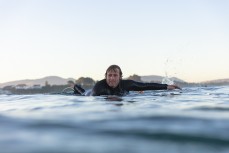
135, 78
71, 83
47, 84
85, 82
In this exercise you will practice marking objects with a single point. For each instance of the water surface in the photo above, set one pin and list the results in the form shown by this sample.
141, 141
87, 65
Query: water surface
192, 120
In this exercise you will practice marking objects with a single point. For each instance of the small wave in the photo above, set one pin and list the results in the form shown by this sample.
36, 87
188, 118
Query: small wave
207, 108
129, 128
165, 136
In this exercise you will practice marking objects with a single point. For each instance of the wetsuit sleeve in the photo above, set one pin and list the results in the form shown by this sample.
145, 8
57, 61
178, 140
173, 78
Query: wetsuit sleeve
140, 86
98, 89
95, 91
78, 89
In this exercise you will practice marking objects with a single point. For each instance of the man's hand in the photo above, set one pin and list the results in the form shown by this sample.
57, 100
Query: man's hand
171, 87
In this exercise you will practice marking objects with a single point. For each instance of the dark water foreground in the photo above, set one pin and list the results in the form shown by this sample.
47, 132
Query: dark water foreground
195, 120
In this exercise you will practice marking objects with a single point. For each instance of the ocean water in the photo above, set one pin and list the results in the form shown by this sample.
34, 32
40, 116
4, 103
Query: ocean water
194, 120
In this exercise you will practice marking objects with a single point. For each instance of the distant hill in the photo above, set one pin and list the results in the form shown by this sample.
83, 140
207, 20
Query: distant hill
52, 80
55, 80
217, 81
157, 78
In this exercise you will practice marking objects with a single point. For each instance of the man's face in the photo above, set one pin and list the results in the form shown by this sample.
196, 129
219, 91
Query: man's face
113, 78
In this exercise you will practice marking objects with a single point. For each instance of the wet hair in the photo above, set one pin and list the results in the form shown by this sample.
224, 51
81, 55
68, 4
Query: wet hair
113, 68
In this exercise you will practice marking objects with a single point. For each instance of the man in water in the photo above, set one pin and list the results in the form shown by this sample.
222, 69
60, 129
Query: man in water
114, 85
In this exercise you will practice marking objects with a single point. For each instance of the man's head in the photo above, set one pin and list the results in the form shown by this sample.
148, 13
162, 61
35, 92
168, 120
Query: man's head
113, 75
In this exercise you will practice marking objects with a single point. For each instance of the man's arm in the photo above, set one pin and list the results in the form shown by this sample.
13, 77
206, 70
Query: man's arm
98, 89
140, 86
94, 91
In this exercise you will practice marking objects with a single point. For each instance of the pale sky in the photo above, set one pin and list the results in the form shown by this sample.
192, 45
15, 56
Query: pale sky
188, 39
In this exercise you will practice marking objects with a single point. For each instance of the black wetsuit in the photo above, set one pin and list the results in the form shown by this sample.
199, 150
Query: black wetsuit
102, 88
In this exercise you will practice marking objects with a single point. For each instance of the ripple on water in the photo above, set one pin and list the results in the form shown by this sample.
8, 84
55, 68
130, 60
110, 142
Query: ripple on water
191, 120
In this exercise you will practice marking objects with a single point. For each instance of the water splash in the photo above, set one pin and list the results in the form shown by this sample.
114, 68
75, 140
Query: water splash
167, 80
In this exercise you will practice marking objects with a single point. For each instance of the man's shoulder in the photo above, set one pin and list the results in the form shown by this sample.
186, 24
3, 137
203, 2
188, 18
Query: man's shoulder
99, 87
127, 81
101, 82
